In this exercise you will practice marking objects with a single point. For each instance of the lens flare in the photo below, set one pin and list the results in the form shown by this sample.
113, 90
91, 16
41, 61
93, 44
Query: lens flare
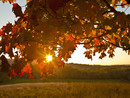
49, 58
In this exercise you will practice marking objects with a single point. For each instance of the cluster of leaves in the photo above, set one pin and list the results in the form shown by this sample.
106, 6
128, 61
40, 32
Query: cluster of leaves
56, 27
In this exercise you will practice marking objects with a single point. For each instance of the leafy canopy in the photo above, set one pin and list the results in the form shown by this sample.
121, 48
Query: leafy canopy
56, 27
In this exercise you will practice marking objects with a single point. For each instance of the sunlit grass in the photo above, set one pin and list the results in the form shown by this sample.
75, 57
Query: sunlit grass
67, 90
71, 82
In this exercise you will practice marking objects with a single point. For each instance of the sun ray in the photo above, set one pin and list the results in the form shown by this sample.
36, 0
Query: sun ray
49, 58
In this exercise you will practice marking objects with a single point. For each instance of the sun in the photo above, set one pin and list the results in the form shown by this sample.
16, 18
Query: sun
49, 58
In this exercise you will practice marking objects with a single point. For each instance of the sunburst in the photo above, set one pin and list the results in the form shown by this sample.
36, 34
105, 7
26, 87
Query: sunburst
49, 58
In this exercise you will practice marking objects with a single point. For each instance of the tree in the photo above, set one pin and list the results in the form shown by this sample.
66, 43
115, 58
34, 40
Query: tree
56, 27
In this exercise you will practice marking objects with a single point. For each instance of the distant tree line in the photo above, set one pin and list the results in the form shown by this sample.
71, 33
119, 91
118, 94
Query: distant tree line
71, 71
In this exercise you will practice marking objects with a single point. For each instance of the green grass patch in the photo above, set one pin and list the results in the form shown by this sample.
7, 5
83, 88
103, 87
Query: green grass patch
15, 81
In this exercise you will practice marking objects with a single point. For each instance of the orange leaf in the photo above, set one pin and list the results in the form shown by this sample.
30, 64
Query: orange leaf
114, 2
87, 46
96, 42
112, 41
66, 55
88, 54
10, 1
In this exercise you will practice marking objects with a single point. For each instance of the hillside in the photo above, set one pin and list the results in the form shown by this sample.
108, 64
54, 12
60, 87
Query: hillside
80, 71
89, 72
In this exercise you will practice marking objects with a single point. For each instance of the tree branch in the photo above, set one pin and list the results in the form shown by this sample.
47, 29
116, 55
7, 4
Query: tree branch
128, 48
108, 5
106, 12
96, 36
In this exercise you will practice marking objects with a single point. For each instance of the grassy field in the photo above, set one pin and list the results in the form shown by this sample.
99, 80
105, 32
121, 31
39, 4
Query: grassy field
93, 72
72, 81
66, 90
16, 81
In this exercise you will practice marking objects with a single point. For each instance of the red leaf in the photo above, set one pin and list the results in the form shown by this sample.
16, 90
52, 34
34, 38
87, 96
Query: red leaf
10, 1
21, 73
2, 33
17, 10
13, 73
14, 29
56, 4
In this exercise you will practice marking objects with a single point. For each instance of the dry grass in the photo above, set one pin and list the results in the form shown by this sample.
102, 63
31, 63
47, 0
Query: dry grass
66, 90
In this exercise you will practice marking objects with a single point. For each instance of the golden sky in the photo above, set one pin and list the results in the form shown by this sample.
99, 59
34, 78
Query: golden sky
121, 57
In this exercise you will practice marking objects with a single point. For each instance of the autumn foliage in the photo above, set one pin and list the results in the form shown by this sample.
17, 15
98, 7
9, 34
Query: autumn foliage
56, 27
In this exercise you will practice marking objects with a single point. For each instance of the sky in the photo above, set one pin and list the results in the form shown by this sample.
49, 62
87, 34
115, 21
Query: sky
120, 58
